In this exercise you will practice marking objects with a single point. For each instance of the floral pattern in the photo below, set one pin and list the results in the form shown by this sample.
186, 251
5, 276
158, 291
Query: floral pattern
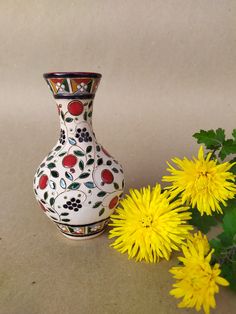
78, 184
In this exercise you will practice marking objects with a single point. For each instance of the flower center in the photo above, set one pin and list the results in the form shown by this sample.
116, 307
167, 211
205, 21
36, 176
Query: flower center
146, 221
202, 180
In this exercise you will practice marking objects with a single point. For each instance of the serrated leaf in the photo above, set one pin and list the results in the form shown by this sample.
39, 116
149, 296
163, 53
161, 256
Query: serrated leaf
234, 134
211, 139
51, 165
101, 211
69, 119
52, 201
90, 161
84, 175
72, 141
74, 186
89, 185
97, 204
229, 147
101, 194
63, 183
81, 165
79, 153
69, 176
55, 174
89, 149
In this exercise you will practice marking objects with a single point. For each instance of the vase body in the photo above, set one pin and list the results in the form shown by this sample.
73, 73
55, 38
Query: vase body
79, 184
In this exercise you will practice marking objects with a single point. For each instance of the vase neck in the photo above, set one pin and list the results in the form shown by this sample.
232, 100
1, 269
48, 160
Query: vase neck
74, 111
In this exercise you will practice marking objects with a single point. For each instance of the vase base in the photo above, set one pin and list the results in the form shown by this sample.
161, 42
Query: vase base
83, 237
82, 232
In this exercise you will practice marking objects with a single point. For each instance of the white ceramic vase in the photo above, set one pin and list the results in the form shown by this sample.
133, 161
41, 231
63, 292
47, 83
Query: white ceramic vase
79, 184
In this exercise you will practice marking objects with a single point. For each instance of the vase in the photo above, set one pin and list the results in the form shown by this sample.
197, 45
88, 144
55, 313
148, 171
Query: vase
78, 184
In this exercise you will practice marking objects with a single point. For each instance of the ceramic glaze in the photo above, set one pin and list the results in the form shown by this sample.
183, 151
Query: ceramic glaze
79, 184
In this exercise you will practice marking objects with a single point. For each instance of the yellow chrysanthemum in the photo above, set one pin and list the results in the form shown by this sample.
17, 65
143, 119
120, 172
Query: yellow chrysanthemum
148, 226
202, 183
196, 280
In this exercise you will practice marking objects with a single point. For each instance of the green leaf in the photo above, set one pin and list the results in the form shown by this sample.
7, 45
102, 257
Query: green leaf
89, 149
51, 165
57, 148
50, 157
211, 139
65, 220
84, 175
101, 194
52, 201
234, 134
99, 161
64, 214
116, 186
229, 147
55, 174
45, 196
203, 223
101, 211
79, 153
69, 119
228, 271
62, 115
97, 204
81, 165
74, 186
229, 222
90, 161
62, 154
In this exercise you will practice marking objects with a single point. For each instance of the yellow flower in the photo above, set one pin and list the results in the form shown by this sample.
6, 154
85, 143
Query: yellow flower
196, 280
202, 183
148, 227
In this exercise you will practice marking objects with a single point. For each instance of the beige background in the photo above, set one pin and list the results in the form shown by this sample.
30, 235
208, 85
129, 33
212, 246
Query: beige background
168, 70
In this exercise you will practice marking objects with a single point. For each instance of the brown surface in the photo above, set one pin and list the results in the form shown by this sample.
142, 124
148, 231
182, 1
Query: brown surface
168, 69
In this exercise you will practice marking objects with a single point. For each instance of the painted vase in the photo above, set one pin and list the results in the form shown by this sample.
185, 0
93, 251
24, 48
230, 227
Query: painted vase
79, 184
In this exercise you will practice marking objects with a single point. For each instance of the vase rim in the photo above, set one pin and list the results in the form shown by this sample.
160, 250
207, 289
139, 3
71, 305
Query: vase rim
71, 74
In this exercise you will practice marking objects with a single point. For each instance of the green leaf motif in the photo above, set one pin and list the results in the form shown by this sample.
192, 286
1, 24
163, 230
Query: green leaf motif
116, 186
97, 204
62, 154
69, 119
65, 220
52, 201
101, 211
211, 139
64, 214
84, 175
81, 165
101, 194
45, 196
55, 174
99, 161
57, 148
90, 161
50, 157
51, 165
89, 149
74, 186
62, 115
79, 153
